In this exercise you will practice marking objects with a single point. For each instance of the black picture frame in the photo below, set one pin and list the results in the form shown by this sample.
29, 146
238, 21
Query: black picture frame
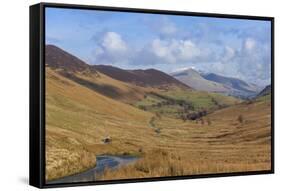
37, 93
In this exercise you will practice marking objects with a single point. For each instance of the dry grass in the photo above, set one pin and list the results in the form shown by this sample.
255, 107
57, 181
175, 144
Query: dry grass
65, 155
63, 162
161, 163
154, 164
225, 146
78, 119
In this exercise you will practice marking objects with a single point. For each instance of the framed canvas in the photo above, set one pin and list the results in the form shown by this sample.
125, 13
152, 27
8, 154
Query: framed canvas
129, 95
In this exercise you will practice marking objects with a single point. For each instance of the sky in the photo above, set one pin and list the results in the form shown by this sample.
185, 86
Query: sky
232, 47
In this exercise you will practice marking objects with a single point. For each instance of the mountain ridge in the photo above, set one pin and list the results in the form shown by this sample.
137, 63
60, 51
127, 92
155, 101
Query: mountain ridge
58, 58
265, 91
147, 77
193, 78
232, 82
217, 83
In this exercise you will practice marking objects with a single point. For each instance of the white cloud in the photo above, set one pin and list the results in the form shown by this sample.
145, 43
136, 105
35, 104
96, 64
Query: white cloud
113, 42
249, 61
183, 69
249, 44
174, 51
187, 49
110, 49
160, 48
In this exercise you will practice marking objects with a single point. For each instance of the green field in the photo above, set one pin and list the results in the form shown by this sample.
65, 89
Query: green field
176, 102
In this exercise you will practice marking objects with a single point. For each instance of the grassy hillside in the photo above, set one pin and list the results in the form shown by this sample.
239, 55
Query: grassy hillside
100, 83
177, 102
77, 120
233, 139
173, 129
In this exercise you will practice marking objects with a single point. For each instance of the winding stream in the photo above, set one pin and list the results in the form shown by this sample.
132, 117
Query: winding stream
103, 161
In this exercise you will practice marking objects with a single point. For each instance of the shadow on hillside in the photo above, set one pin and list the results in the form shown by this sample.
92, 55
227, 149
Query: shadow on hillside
107, 90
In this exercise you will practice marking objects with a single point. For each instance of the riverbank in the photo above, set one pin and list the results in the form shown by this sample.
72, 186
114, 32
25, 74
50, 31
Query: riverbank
103, 162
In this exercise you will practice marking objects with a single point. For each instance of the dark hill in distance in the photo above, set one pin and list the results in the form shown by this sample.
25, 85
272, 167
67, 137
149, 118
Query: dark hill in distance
149, 77
265, 91
231, 82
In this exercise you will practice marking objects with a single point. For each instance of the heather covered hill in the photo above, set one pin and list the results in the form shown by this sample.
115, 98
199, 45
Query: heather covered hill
123, 85
76, 70
147, 78
57, 58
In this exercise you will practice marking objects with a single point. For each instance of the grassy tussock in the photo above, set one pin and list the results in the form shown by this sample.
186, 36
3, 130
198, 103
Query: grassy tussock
160, 163
154, 164
63, 162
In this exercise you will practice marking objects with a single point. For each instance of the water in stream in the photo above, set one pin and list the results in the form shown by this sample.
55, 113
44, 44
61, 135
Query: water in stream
103, 162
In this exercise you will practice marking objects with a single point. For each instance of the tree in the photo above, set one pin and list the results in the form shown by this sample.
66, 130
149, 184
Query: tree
142, 107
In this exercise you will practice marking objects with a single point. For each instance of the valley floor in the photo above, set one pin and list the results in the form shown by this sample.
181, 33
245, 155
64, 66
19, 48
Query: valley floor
224, 145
